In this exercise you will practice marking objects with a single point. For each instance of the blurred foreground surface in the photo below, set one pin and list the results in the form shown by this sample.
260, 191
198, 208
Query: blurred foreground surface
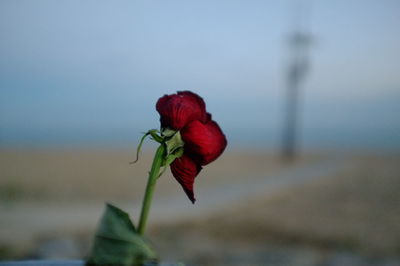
51, 200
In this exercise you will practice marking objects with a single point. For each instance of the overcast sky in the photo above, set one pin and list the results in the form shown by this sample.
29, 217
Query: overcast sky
91, 71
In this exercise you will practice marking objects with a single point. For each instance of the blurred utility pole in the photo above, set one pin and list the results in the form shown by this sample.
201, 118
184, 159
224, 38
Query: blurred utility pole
299, 43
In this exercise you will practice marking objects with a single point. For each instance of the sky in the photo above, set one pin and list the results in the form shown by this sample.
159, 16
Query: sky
82, 73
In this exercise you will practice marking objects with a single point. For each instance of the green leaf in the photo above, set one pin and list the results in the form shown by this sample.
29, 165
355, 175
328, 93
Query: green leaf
118, 243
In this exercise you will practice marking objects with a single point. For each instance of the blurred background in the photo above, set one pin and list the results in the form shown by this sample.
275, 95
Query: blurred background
307, 93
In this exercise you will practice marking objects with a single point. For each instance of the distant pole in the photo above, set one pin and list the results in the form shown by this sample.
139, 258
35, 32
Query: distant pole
299, 43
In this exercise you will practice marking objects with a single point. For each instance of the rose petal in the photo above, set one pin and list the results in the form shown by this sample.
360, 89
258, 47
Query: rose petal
176, 110
204, 142
184, 169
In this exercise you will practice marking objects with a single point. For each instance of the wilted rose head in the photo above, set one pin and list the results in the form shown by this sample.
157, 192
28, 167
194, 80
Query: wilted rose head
203, 139
176, 110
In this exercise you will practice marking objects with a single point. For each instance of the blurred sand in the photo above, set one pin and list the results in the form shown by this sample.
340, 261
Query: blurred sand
106, 175
350, 218
355, 210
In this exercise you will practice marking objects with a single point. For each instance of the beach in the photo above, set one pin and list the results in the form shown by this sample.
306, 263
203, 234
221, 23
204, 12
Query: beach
251, 209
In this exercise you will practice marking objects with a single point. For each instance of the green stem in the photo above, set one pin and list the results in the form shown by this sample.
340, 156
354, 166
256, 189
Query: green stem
151, 184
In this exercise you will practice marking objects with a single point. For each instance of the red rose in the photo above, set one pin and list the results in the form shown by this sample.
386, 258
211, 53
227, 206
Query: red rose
185, 169
176, 110
203, 139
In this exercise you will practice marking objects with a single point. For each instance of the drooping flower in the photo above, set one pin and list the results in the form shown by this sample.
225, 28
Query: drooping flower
203, 139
